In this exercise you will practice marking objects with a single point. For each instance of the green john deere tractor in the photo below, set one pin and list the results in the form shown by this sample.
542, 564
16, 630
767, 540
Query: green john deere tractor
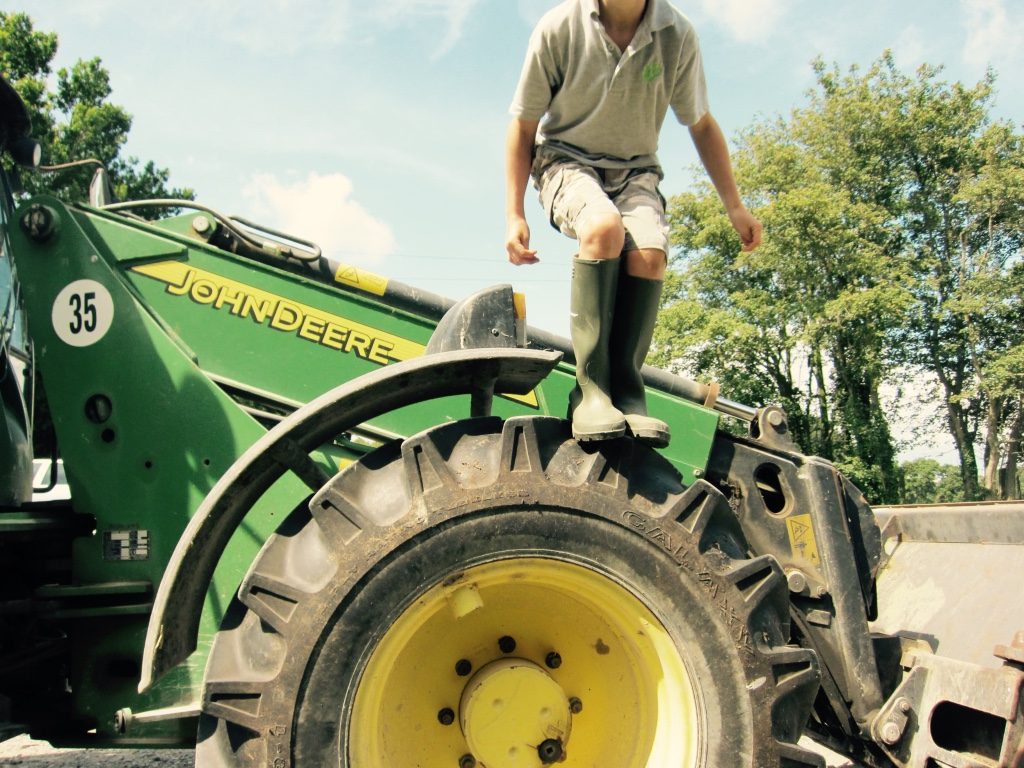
317, 517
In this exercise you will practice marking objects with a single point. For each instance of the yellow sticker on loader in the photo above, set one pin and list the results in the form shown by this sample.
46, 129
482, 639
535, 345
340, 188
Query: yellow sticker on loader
801, 539
361, 279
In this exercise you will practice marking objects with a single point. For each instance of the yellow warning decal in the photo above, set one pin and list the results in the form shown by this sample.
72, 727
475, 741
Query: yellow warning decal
801, 538
280, 314
306, 322
361, 279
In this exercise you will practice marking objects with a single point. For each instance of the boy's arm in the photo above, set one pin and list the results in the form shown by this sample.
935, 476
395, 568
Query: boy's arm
714, 154
518, 159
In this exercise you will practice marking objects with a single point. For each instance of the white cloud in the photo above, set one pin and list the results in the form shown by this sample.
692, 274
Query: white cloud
287, 27
281, 26
321, 209
531, 10
910, 48
453, 14
748, 21
992, 31
268, 26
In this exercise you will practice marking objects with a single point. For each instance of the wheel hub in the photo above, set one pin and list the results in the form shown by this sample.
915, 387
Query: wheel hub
512, 712
498, 667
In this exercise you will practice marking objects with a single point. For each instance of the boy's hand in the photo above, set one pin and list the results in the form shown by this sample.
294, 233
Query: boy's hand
517, 242
747, 227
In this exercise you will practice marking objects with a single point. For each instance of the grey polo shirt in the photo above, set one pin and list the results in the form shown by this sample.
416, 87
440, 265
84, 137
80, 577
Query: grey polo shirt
602, 106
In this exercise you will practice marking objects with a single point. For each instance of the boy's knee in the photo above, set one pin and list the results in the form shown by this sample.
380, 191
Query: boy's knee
649, 263
602, 236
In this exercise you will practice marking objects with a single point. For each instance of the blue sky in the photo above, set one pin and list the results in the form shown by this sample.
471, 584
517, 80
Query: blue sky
377, 128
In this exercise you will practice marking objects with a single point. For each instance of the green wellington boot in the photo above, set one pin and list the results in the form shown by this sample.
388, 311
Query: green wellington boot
591, 307
636, 309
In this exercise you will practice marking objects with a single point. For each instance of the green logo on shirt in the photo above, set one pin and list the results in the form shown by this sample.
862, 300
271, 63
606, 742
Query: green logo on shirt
652, 71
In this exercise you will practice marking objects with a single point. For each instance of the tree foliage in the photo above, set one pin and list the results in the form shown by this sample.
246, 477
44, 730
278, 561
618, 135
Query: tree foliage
893, 208
74, 119
926, 481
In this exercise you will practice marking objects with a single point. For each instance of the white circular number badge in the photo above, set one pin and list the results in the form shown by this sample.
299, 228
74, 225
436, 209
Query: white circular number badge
82, 313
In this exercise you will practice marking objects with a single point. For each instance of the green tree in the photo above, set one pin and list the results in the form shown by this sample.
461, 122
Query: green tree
74, 121
926, 481
988, 303
801, 321
950, 179
893, 212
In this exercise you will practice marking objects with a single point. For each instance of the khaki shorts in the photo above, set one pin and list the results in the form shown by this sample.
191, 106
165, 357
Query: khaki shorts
571, 192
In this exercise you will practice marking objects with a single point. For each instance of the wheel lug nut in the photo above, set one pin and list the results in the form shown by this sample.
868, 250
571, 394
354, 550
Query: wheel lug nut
463, 667
553, 660
575, 705
507, 644
446, 716
550, 751
467, 761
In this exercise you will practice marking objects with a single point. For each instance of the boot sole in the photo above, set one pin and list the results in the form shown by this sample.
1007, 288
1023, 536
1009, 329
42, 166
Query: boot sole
653, 438
595, 435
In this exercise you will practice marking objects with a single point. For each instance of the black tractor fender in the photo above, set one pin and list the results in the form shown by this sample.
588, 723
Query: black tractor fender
172, 634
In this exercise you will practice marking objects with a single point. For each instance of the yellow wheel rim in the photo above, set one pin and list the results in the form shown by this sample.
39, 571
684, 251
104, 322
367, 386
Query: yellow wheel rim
525, 662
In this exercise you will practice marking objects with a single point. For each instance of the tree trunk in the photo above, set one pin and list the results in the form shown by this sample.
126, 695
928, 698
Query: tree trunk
866, 430
1010, 482
993, 454
826, 448
964, 447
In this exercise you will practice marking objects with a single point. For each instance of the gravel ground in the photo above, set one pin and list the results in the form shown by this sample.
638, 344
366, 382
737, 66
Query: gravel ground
22, 751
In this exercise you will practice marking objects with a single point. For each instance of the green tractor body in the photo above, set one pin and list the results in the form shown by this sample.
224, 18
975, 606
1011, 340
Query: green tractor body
277, 464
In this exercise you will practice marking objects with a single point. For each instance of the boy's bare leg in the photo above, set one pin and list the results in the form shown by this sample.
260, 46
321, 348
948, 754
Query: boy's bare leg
601, 237
649, 263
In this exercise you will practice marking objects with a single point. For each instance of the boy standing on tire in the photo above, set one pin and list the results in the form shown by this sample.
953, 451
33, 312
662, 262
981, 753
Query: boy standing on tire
597, 83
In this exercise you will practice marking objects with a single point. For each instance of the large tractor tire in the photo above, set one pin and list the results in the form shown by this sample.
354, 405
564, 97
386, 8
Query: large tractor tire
495, 595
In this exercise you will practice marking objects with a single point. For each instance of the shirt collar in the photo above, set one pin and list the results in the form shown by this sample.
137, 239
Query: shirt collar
658, 16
